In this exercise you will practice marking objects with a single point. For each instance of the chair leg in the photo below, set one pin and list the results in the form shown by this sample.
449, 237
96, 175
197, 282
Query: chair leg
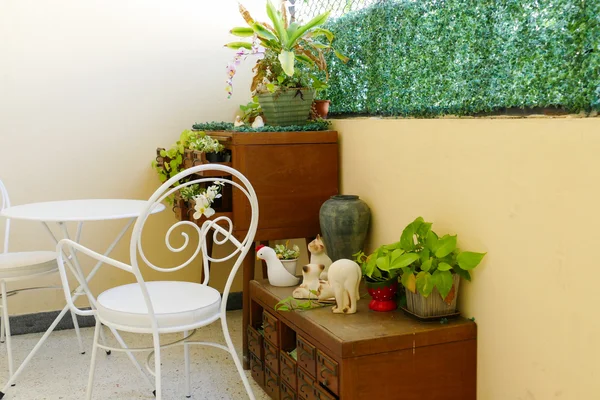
157, 367
1, 327
186, 352
7, 328
77, 332
103, 340
236, 359
90, 386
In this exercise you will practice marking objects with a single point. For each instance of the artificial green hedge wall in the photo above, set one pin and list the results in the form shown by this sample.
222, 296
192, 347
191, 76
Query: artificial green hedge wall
436, 57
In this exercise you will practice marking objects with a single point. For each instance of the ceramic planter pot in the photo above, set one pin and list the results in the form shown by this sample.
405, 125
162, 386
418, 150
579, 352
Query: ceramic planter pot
344, 221
383, 295
289, 107
290, 265
433, 305
215, 157
322, 108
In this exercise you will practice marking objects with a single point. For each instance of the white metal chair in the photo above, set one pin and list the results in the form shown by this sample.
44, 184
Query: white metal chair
162, 307
17, 266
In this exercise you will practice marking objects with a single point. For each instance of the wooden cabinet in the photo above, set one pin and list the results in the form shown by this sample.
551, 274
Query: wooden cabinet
367, 355
293, 174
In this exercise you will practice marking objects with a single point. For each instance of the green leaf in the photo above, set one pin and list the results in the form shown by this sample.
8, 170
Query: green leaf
395, 254
342, 57
163, 153
424, 255
322, 32
306, 59
443, 281
407, 241
370, 267
404, 260
383, 263
424, 283
462, 273
447, 244
242, 31
432, 241
444, 267
263, 32
292, 28
286, 58
426, 266
301, 30
469, 260
424, 229
239, 45
409, 281
278, 22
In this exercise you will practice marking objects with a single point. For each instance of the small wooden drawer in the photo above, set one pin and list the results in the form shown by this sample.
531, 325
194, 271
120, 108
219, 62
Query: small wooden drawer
328, 373
287, 368
271, 357
306, 386
286, 392
271, 384
270, 327
306, 355
321, 394
255, 342
257, 369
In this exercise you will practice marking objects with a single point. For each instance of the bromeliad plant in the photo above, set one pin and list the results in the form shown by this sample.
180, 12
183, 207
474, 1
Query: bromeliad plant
284, 252
282, 44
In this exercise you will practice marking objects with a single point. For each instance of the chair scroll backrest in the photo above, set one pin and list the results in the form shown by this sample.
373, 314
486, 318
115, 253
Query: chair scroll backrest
221, 227
4, 203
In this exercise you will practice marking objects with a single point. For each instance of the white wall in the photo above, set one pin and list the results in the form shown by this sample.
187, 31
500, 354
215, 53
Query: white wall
89, 89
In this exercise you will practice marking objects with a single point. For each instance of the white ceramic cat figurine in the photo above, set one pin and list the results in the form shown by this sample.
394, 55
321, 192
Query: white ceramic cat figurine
318, 255
312, 287
344, 278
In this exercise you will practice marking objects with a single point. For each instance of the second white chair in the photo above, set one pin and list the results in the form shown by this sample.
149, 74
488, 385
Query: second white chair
162, 307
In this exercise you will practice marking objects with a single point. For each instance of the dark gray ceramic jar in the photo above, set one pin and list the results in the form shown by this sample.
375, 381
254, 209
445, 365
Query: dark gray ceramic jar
344, 221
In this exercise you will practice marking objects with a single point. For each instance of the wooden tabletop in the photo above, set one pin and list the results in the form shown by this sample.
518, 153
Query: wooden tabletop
366, 332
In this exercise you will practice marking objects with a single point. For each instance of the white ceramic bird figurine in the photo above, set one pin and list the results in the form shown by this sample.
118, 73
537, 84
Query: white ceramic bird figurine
238, 121
258, 122
278, 275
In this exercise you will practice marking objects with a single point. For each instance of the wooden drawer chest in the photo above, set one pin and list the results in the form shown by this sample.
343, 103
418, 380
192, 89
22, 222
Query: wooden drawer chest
318, 355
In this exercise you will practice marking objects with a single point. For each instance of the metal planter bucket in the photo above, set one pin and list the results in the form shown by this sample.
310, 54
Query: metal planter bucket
290, 107
434, 305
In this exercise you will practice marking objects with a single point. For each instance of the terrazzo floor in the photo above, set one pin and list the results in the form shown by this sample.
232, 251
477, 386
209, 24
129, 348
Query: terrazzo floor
59, 372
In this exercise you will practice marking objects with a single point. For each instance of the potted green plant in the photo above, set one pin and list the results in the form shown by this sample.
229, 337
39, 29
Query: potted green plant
380, 270
433, 278
288, 256
321, 105
213, 150
283, 88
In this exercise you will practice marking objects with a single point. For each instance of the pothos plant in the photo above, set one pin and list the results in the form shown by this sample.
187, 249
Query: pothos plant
173, 157
436, 260
281, 45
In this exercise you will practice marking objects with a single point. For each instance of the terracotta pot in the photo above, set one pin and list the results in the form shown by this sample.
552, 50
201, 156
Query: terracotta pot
383, 295
322, 107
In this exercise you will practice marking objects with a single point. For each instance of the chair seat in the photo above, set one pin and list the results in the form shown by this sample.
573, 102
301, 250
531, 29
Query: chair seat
175, 304
24, 264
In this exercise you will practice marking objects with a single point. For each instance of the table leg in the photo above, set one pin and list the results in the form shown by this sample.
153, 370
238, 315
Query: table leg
248, 275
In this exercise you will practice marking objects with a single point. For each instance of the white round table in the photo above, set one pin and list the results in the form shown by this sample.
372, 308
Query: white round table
80, 211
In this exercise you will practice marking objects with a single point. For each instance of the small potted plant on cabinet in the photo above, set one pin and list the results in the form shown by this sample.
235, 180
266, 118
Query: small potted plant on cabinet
380, 270
212, 149
283, 86
432, 280
288, 256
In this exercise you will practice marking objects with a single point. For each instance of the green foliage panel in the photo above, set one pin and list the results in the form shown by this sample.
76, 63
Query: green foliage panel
320, 125
436, 57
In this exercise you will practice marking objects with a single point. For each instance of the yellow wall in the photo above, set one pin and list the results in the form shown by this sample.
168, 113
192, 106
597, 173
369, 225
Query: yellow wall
527, 191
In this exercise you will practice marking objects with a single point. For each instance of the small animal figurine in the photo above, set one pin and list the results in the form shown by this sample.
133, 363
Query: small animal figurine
258, 122
344, 278
318, 255
278, 275
312, 287
238, 121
